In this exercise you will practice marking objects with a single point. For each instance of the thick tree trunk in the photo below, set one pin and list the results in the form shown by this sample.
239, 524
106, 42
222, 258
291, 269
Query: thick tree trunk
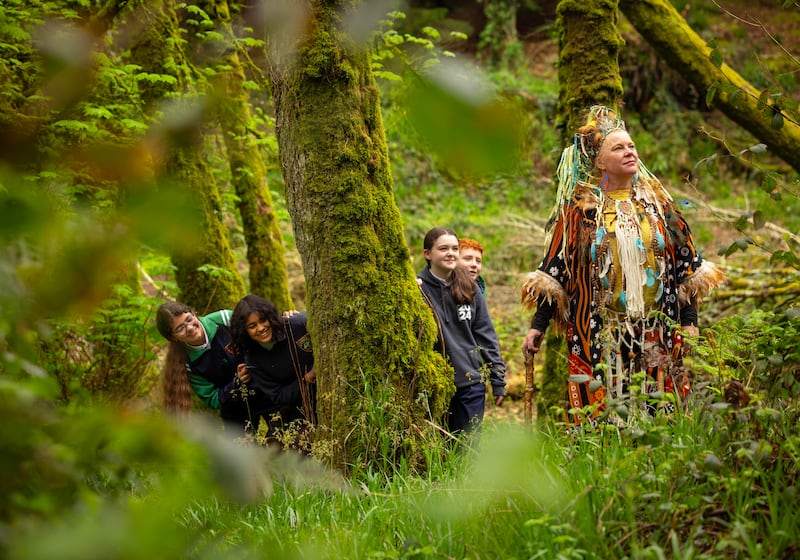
262, 234
588, 68
674, 41
380, 382
207, 274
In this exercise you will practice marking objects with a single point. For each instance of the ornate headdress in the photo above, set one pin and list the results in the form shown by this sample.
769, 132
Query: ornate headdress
600, 122
578, 159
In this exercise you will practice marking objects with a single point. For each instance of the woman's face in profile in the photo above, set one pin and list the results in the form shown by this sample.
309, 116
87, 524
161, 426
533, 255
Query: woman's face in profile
618, 156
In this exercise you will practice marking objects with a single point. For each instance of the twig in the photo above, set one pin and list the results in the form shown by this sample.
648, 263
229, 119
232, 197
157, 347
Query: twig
148, 280
734, 215
757, 23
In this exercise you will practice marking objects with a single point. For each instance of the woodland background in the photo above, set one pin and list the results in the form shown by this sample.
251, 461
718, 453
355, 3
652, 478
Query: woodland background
143, 157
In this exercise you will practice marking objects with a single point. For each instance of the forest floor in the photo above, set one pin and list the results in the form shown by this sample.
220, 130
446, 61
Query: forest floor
746, 28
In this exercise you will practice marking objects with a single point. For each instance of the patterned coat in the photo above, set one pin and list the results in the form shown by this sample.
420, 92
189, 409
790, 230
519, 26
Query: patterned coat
619, 273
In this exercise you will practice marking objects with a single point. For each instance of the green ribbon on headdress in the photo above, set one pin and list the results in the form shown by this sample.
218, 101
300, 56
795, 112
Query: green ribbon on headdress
577, 163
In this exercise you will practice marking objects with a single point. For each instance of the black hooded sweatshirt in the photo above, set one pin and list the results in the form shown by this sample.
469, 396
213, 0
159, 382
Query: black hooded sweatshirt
467, 334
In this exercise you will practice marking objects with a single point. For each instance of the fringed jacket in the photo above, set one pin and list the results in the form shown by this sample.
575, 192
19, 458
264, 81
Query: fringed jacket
615, 260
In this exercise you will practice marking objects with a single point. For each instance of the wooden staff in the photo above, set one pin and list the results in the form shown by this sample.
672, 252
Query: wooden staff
529, 387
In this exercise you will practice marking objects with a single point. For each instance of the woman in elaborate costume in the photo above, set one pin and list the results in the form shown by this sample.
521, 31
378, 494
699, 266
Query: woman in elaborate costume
621, 276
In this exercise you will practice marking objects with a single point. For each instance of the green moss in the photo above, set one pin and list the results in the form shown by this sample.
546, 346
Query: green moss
265, 251
588, 71
687, 53
207, 277
380, 381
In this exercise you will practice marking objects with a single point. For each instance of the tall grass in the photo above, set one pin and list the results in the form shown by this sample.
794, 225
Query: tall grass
715, 482
717, 479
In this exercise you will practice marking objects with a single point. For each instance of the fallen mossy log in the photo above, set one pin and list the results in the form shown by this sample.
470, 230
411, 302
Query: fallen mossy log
779, 287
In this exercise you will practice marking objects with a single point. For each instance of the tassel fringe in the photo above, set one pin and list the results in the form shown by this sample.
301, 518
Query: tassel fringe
701, 282
540, 285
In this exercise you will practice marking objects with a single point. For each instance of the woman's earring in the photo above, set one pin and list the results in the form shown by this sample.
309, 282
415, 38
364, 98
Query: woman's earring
635, 179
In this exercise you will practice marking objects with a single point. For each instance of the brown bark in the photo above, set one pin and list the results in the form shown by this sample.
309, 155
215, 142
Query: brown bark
379, 380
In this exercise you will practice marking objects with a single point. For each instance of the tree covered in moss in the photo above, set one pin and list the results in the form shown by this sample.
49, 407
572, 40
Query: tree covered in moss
380, 382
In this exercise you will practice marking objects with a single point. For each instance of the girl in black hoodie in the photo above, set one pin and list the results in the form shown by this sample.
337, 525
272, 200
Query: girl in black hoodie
466, 332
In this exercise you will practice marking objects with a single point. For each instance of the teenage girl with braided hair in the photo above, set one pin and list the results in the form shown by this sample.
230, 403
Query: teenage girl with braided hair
466, 333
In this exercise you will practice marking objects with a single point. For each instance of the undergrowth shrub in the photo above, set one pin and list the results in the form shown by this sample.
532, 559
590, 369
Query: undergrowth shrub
719, 481
108, 356
104, 482
759, 349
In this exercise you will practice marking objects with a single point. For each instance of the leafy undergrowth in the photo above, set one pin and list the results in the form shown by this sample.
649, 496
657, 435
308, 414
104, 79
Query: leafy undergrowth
718, 480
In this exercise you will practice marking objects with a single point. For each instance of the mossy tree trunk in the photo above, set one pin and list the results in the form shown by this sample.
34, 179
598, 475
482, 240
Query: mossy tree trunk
588, 66
85, 278
262, 234
27, 110
206, 274
588, 74
380, 382
674, 41
207, 277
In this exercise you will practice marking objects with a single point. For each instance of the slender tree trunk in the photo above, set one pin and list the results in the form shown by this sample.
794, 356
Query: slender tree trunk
96, 269
206, 274
207, 277
265, 250
588, 73
380, 382
25, 109
674, 41
499, 41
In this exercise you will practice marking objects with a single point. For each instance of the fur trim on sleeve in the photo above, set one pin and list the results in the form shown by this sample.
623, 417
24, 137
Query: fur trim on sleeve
700, 283
540, 285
